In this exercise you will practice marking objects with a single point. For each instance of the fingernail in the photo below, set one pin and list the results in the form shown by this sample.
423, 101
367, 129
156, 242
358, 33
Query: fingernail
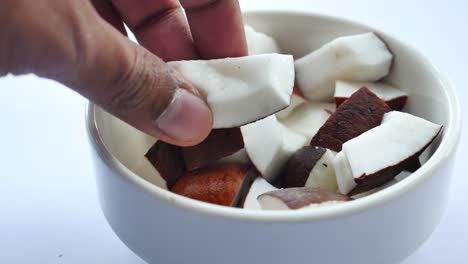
187, 118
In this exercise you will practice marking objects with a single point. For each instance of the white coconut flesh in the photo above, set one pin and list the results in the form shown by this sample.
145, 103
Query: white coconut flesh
308, 118
291, 142
239, 157
268, 202
273, 203
259, 43
295, 102
258, 187
386, 92
269, 145
284, 199
322, 174
241, 90
354, 58
399, 137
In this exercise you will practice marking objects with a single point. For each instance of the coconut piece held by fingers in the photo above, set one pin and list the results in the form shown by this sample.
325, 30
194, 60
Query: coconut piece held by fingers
232, 86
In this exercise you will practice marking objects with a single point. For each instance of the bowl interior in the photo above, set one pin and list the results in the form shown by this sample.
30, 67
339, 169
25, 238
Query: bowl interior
299, 34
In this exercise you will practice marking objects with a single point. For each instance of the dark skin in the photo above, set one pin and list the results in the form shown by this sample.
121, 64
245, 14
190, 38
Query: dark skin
81, 44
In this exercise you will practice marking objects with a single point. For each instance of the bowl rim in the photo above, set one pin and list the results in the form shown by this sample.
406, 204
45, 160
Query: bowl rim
447, 147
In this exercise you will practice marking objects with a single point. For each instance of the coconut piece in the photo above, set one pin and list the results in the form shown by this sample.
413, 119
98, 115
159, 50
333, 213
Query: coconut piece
269, 145
384, 186
403, 175
296, 101
168, 160
378, 155
220, 143
259, 43
354, 58
239, 157
233, 86
297, 198
222, 184
307, 118
311, 167
413, 165
393, 97
298, 92
259, 186
361, 112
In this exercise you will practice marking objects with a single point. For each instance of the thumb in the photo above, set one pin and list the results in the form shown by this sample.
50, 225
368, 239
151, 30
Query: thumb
136, 86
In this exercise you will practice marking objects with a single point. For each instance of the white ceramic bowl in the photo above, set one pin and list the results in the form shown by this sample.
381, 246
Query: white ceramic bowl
385, 227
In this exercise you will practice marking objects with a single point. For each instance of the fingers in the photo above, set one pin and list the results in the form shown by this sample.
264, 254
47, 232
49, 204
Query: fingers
160, 26
108, 12
135, 85
216, 27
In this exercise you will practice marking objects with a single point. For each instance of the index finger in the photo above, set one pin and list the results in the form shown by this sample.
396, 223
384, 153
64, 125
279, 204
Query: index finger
159, 26
216, 27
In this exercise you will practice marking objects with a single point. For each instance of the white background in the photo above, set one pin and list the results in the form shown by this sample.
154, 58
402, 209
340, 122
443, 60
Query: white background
48, 205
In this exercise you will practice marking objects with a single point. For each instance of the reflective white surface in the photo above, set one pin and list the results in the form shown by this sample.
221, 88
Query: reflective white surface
49, 211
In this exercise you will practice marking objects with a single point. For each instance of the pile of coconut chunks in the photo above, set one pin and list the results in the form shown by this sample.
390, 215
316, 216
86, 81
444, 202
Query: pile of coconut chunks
279, 143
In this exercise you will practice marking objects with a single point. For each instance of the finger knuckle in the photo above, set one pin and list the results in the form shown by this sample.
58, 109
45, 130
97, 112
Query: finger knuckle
156, 17
139, 86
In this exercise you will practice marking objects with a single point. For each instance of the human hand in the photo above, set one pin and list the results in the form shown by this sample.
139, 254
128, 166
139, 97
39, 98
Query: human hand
78, 43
